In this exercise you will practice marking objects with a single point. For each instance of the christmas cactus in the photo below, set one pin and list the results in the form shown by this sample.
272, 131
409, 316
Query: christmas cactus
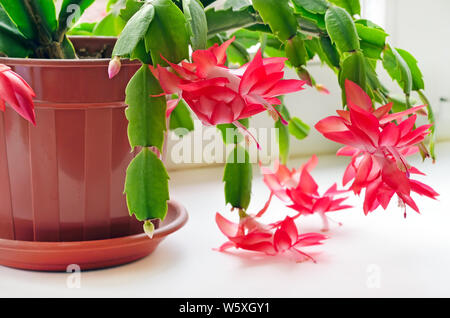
224, 85
194, 56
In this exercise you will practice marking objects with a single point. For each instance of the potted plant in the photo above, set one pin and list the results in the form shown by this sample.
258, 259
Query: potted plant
62, 179
166, 83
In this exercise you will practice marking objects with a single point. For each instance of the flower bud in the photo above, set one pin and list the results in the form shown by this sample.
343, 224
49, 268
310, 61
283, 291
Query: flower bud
114, 67
322, 89
149, 228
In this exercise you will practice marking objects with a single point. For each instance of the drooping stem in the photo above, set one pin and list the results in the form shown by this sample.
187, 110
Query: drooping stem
408, 101
431, 118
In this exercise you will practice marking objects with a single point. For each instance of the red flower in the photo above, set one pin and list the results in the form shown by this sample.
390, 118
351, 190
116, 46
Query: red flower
378, 147
270, 239
17, 93
298, 189
221, 95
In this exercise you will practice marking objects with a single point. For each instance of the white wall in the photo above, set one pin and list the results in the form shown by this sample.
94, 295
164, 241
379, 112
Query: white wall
423, 28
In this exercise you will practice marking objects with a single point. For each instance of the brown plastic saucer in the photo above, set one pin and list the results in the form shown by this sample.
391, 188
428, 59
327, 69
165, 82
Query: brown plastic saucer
57, 256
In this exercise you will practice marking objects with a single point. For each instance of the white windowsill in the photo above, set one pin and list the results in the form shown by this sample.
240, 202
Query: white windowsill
407, 257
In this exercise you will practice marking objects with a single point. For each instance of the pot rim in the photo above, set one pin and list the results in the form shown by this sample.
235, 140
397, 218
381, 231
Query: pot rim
19, 61
180, 219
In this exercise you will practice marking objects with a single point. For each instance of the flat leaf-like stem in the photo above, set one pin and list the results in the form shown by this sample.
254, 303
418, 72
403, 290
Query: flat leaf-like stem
147, 187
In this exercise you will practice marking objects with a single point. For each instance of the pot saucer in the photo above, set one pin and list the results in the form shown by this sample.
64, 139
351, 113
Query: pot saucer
57, 256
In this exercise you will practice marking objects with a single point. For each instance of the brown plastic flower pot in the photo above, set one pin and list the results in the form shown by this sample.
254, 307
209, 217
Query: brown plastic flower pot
62, 181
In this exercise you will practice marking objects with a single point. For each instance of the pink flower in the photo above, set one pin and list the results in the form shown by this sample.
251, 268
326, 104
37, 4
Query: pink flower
378, 147
17, 93
114, 67
270, 239
299, 191
283, 178
220, 95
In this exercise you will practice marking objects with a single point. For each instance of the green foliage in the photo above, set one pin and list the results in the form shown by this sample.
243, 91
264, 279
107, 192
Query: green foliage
86, 28
68, 49
134, 31
248, 38
373, 38
130, 9
236, 5
298, 128
351, 6
47, 11
111, 25
283, 138
230, 133
224, 20
29, 28
279, 16
330, 53
147, 187
353, 68
398, 69
398, 102
181, 120
296, 29
146, 114
167, 35
71, 11
19, 12
432, 120
313, 6
197, 24
238, 176
10, 46
372, 79
237, 53
309, 19
283, 141
12, 41
416, 74
341, 29
296, 51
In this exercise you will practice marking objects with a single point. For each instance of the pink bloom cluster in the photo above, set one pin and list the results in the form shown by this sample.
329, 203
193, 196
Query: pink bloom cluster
378, 142
299, 191
272, 239
218, 94
17, 93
